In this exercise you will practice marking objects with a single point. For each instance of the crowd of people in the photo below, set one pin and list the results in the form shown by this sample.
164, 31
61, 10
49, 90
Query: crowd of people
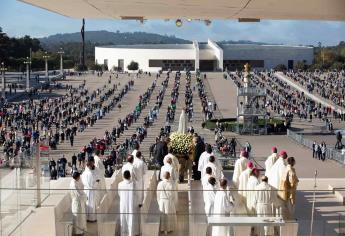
54, 120
248, 188
330, 85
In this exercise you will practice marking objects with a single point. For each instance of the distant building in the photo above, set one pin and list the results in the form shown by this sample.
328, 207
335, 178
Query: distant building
210, 56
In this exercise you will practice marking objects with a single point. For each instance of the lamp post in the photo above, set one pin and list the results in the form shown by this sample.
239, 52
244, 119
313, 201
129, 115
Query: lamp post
27, 62
3, 70
46, 57
61, 52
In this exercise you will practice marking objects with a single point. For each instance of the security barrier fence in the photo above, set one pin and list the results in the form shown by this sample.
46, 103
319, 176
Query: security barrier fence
331, 153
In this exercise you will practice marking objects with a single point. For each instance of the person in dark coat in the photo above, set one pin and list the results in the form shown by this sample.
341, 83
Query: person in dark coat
161, 151
199, 149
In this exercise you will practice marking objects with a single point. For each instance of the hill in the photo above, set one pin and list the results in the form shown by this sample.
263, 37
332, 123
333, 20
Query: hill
111, 38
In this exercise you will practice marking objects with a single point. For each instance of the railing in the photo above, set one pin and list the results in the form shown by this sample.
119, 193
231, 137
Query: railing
330, 153
251, 91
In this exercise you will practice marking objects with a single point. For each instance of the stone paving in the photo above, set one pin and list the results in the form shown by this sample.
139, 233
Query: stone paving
224, 92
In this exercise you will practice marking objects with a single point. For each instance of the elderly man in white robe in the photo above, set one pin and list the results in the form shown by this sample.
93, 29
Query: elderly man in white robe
204, 157
240, 166
242, 183
264, 199
129, 207
278, 169
222, 207
78, 204
168, 167
174, 159
91, 181
165, 198
140, 169
271, 159
253, 181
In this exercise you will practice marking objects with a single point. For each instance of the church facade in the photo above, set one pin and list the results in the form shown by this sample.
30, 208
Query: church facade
209, 56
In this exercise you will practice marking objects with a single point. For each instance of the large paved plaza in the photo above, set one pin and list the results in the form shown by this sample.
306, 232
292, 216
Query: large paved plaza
219, 90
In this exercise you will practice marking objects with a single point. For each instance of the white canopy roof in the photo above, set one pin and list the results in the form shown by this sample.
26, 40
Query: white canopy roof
197, 9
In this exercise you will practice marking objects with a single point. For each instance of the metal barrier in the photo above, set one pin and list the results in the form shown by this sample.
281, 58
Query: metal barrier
330, 153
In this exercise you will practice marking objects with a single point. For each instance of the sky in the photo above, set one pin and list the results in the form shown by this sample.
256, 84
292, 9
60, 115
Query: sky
19, 19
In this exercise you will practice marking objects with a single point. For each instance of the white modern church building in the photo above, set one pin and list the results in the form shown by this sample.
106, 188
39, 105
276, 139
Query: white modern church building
210, 56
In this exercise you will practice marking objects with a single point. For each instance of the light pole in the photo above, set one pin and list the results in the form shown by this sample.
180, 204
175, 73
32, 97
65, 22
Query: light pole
3, 70
46, 57
61, 52
27, 62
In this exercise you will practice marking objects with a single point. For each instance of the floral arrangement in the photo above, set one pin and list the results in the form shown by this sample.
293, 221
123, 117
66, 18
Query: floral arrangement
180, 144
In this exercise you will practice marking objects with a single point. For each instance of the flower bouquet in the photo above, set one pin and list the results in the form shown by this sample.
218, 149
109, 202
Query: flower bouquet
180, 144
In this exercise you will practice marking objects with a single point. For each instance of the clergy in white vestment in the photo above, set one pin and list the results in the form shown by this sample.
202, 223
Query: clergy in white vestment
130, 167
264, 199
136, 149
253, 181
79, 198
204, 157
208, 174
129, 207
91, 181
101, 171
222, 207
240, 166
209, 195
165, 198
243, 181
173, 176
182, 125
98, 162
271, 159
216, 170
278, 169
174, 159
140, 169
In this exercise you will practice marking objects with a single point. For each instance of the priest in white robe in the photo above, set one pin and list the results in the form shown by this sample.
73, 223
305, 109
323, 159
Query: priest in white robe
129, 208
79, 199
243, 181
209, 195
253, 181
222, 207
174, 159
204, 157
271, 159
205, 178
278, 169
98, 162
264, 199
91, 181
165, 198
173, 177
182, 125
240, 166
216, 170
101, 171
136, 149
140, 169
130, 167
